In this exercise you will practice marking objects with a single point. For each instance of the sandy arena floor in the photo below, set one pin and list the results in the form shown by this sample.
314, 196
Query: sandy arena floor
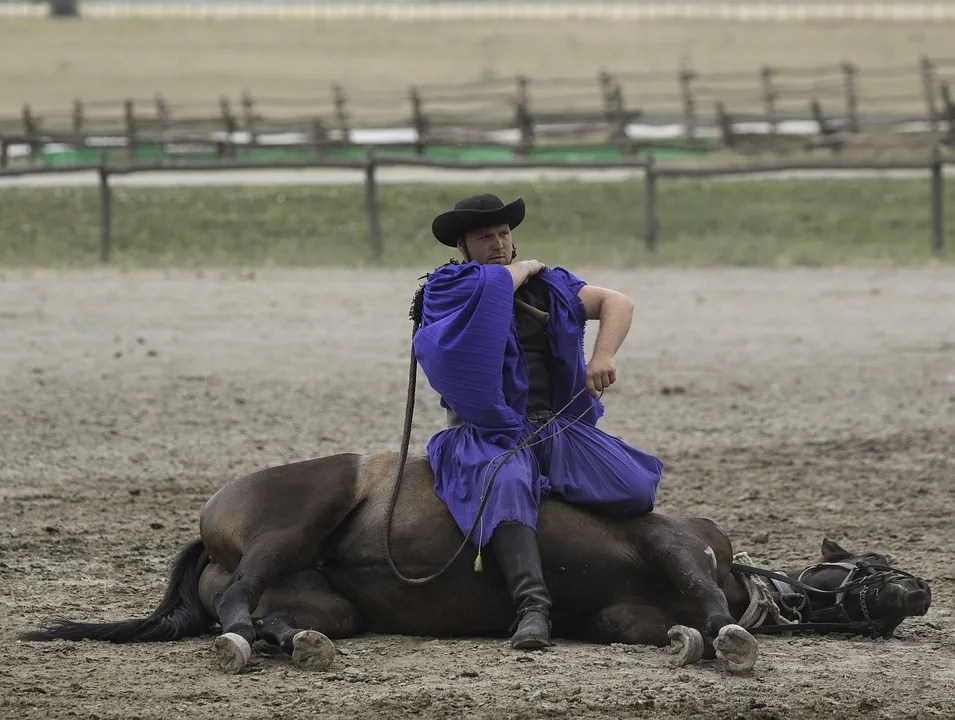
788, 406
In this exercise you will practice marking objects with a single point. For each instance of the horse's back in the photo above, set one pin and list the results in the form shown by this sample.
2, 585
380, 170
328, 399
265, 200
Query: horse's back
419, 525
557, 517
422, 530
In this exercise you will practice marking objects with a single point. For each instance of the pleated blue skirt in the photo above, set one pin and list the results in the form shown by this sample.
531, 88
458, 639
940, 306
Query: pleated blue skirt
576, 461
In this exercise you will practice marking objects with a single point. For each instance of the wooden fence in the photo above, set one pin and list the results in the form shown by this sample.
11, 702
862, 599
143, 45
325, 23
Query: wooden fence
652, 172
774, 109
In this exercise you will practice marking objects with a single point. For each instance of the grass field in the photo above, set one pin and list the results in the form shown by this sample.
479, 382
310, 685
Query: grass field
49, 63
702, 224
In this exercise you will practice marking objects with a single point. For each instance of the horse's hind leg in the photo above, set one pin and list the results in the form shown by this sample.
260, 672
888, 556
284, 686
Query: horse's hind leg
233, 603
301, 613
297, 612
309, 648
267, 525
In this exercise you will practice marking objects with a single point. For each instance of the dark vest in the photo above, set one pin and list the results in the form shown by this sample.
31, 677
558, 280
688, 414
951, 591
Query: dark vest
535, 343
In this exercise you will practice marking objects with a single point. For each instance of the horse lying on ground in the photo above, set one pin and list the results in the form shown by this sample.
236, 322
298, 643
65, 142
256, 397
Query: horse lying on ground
293, 555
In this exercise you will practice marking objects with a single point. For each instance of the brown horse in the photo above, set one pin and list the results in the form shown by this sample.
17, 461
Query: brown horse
294, 555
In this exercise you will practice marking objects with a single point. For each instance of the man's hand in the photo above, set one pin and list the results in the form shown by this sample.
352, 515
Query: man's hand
522, 270
601, 373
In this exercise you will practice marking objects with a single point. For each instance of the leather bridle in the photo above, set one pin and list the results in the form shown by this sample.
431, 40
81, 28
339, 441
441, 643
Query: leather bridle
861, 575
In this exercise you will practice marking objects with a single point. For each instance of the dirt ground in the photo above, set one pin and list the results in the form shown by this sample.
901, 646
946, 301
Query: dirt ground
786, 405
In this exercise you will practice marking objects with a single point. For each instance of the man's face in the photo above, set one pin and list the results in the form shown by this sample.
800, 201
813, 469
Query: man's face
489, 245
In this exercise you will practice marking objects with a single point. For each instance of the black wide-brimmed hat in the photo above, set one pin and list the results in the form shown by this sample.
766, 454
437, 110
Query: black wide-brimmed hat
475, 212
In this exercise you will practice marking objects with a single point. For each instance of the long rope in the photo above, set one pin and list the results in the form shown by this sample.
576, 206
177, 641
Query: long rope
403, 457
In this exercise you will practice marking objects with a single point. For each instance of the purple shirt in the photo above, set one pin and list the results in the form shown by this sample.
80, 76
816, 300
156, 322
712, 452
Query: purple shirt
467, 347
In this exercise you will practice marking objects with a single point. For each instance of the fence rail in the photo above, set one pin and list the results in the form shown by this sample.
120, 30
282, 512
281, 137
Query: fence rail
775, 109
652, 173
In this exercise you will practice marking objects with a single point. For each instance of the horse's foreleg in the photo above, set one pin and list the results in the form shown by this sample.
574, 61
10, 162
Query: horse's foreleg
692, 567
627, 622
637, 623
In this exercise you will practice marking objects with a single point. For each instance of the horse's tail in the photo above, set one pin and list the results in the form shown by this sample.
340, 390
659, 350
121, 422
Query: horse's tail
180, 614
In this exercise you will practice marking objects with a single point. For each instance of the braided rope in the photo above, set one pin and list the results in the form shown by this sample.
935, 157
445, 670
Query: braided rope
761, 603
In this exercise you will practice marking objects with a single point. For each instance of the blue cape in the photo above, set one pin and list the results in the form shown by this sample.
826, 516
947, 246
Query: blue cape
467, 347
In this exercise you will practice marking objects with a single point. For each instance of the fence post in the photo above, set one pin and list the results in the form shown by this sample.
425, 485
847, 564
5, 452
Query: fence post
828, 135
725, 121
650, 225
319, 136
522, 116
928, 90
418, 120
31, 131
230, 126
371, 205
852, 101
769, 102
77, 116
129, 115
341, 113
689, 111
618, 132
606, 88
946, 94
938, 189
105, 212
162, 115
248, 116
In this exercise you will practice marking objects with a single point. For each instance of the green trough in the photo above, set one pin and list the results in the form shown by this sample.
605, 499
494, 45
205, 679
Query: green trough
153, 153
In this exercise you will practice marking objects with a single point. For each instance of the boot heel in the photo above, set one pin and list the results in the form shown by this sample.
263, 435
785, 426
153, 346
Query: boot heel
533, 631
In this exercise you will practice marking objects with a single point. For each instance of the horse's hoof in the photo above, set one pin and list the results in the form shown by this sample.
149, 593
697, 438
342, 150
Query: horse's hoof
686, 645
233, 652
737, 648
313, 650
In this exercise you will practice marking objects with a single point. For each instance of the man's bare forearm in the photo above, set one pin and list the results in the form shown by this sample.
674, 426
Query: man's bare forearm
616, 316
520, 271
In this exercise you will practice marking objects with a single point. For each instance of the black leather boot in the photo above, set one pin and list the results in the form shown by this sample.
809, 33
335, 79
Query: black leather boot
515, 548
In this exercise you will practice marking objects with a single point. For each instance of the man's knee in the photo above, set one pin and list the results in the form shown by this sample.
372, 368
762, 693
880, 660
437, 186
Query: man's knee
639, 503
644, 499
636, 496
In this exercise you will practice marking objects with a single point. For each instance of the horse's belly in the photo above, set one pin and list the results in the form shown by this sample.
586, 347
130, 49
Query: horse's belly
460, 602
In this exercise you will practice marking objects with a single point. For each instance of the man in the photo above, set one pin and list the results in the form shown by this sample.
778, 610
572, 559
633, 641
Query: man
501, 374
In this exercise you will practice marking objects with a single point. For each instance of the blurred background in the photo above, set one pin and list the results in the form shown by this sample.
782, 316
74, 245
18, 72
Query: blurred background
149, 84
745, 76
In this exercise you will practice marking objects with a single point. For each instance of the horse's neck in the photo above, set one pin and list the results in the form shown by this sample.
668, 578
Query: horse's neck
779, 584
